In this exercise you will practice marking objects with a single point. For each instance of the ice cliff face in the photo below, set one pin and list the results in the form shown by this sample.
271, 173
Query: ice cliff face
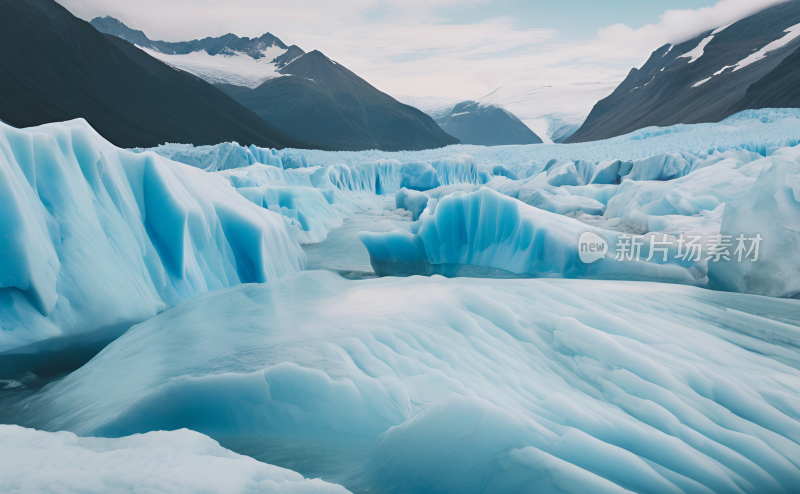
93, 236
468, 385
485, 233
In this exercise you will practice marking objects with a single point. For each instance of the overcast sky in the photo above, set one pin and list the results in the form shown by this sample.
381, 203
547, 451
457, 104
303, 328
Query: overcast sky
445, 48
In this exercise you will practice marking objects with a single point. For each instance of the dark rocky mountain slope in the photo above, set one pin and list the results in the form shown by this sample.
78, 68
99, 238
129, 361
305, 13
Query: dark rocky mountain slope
753, 63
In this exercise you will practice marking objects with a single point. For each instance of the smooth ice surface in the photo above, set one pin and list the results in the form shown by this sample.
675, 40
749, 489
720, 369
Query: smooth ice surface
33, 461
343, 252
93, 236
467, 385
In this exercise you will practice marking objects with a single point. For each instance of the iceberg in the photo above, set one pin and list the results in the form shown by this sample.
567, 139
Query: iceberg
95, 238
466, 385
178, 461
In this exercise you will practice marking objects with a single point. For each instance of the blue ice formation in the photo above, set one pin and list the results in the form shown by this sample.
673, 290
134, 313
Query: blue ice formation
769, 208
224, 156
677, 180
411, 200
735, 193
93, 237
468, 385
485, 233
754, 131
315, 200
177, 461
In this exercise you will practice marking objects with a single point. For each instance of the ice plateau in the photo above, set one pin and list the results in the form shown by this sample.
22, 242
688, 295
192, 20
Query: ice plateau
467, 385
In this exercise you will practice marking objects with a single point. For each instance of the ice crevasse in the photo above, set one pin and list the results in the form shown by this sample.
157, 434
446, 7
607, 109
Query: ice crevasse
94, 237
469, 385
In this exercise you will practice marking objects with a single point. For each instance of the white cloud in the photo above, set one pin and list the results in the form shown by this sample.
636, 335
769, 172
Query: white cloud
676, 26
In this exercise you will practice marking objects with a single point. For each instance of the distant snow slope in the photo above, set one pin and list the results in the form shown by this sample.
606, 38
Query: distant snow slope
180, 461
239, 69
552, 112
467, 385
226, 59
93, 236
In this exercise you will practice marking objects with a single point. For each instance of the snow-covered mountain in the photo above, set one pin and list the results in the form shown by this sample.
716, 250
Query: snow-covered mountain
486, 124
57, 67
226, 59
306, 95
750, 64
322, 102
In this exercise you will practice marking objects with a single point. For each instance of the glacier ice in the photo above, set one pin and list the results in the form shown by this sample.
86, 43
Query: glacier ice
223, 156
93, 237
411, 200
770, 208
675, 180
485, 233
179, 461
760, 131
468, 385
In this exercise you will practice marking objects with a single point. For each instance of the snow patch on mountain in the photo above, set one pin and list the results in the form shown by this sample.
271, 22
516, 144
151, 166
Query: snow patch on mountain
698, 51
792, 33
235, 68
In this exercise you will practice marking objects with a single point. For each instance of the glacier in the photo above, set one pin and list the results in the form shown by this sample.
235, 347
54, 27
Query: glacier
183, 266
95, 238
679, 180
94, 226
178, 461
759, 131
467, 385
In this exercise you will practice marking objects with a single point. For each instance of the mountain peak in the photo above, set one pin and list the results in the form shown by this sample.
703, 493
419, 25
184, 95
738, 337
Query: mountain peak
226, 44
115, 27
486, 124
237, 60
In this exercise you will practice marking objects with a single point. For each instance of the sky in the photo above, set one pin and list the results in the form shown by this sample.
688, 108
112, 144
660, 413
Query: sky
432, 51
